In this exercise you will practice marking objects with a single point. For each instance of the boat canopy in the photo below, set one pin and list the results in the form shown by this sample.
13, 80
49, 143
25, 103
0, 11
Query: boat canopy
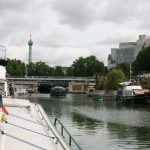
125, 83
128, 83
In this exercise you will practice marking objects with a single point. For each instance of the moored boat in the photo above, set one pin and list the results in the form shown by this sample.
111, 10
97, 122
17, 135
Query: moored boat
133, 93
90, 91
58, 91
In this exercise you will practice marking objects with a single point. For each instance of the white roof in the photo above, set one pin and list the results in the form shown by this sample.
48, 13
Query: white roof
133, 87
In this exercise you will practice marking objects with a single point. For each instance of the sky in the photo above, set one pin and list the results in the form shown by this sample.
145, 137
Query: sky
64, 30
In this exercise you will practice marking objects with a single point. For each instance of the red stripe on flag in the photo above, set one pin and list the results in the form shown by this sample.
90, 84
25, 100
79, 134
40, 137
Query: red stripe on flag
5, 110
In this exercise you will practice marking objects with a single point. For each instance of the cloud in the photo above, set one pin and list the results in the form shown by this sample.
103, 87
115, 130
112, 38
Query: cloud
78, 14
63, 30
59, 56
119, 10
118, 36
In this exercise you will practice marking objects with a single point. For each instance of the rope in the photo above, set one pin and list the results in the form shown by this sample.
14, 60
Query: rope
31, 130
13, 115
21, 140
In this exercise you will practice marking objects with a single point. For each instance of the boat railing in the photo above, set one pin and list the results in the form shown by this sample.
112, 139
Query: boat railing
43, 118
2, 93
71, 139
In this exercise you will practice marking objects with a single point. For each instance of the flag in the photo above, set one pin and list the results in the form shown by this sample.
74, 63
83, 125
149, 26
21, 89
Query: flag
2, 106
5, 110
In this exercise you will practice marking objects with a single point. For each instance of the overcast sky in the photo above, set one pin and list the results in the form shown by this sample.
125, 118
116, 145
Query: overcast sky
64, 30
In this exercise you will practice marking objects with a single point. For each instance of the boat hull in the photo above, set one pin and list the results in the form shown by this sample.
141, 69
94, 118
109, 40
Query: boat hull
58, 91
138, 99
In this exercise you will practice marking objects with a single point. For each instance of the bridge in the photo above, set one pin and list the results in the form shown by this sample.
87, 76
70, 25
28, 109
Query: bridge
44, 84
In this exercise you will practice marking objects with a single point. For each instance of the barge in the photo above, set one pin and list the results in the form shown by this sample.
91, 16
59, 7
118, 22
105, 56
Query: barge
131, 92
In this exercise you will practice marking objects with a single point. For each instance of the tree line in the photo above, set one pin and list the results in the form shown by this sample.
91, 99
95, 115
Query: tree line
81, 67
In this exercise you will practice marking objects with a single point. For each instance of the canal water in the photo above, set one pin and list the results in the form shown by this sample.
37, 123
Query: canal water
100, 125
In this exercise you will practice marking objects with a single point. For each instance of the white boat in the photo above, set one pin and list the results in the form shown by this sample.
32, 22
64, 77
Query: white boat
132, 92
25, 125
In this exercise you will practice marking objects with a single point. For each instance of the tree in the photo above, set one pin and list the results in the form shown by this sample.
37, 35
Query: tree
39, 69
69, 71
142, 61
125, 67
15, 67
114, 77
94, 66
87, 66
79, 67
31, 69
42, 69
58, 71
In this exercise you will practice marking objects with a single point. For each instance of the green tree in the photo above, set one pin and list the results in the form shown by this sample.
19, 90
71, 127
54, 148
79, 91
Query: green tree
51, 71
94, 66
79, 67
69, 71
142, 62
42, 69
87, 66
125, 67
31, 69
15, 67
58, 71
114, 77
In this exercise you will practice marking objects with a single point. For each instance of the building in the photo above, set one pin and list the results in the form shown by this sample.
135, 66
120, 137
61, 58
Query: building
128, 51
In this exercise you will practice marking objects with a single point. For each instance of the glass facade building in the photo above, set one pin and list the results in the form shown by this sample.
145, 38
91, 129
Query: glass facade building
125, 55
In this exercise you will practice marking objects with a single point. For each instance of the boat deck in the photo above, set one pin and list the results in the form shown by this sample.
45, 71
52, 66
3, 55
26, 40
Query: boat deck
27, 129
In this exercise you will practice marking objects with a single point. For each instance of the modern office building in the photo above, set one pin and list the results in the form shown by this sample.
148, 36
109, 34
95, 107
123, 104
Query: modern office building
128, 51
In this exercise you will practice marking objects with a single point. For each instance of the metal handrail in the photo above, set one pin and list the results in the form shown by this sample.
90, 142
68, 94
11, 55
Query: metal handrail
50, 128
70, 137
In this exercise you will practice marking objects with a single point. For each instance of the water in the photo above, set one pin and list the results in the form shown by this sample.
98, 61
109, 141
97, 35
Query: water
100, 125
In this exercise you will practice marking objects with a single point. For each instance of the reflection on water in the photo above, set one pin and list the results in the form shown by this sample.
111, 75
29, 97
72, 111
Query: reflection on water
100, 125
